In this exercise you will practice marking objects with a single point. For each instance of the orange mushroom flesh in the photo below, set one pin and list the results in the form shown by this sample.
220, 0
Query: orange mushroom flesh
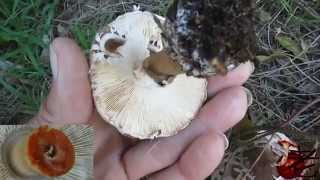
50, 151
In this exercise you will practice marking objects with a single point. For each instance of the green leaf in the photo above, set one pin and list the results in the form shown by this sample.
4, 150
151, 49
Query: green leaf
262, 58
289, 44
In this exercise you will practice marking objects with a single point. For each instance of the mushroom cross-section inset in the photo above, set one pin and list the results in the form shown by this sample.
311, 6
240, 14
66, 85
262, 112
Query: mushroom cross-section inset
30, 152
125, 95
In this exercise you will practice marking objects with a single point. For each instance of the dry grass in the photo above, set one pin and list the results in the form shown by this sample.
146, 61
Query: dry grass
286, 83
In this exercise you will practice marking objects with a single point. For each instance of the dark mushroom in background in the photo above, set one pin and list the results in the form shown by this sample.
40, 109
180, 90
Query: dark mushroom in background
206, 37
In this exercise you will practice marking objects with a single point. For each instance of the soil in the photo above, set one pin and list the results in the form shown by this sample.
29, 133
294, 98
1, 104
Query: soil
209, 35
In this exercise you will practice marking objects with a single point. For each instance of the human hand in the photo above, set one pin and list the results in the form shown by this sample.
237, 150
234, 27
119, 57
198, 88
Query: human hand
191, 154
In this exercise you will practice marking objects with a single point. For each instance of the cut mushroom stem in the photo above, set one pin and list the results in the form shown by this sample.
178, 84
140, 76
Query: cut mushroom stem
161, 67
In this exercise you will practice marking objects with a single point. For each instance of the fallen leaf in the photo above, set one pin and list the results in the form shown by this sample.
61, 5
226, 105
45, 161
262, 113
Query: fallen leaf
289, 44
262, 58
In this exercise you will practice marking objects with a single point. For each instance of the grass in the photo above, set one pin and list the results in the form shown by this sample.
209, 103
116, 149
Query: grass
286, 80
290, 78
26, 29
24, 34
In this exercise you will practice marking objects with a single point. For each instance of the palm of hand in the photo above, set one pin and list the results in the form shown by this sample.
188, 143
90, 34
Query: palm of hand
192, 154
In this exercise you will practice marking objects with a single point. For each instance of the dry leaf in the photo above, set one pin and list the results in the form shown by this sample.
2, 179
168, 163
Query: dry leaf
289, 44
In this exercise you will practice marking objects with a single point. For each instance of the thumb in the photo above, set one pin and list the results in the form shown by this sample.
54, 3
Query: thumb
69, 100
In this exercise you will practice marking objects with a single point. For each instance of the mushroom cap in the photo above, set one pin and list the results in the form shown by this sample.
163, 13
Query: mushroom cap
276, 146
125, 95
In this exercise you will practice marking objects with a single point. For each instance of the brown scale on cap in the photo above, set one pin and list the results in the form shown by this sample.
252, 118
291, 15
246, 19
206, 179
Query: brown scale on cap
113, 44
208, 37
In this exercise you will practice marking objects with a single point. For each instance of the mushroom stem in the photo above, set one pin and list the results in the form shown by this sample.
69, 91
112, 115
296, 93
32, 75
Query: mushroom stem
161, 67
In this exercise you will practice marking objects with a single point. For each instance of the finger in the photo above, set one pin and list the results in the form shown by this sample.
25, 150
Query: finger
199, 160
237, 77
69, 100
219, 114
108, 148
109, 145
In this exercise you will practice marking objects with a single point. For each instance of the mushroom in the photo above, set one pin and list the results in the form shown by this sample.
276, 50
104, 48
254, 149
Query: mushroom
124, 93
148, 73
282, 158
49, 151
43, 152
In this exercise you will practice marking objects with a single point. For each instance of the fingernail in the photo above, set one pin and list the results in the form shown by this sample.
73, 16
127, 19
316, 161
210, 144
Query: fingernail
249, 97
252, 67
53, 61
225, 140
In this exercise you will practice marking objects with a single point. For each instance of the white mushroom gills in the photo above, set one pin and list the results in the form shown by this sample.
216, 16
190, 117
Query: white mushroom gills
125, 95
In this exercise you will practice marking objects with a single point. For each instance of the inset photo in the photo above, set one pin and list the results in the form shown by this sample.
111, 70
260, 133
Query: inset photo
29, 152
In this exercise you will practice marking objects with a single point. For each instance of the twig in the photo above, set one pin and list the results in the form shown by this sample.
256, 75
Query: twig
310, 123
302, 72
283, 68
299, 113
286, 123
258, 158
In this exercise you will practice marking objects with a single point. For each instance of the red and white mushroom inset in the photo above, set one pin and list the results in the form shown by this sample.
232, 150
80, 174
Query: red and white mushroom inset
44, 152
296, 162
290, 162
50, 151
